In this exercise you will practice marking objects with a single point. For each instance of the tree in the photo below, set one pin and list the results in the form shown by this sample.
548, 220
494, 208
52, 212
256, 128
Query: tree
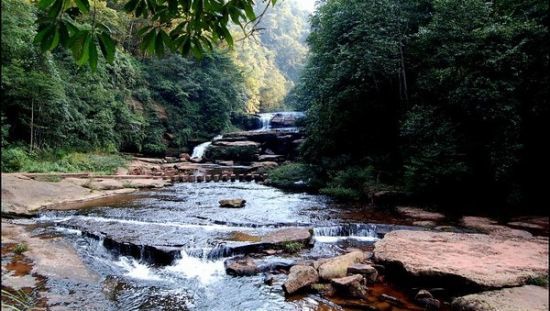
186, 26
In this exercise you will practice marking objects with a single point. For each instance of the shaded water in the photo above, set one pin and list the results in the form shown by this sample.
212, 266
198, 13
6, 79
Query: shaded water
186, 222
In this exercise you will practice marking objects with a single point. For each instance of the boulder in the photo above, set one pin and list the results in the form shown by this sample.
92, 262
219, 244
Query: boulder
429, 304
240, 266
489, 226
232, 203
233, 150
529, 297
300, 277
423, 294
351, 286
184, 157
460, 259
288, 235
368, 271
337, 267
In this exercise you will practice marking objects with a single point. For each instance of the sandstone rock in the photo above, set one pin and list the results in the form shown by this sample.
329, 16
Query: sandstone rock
424, 223
491, 227
184, 157
337, 267
525, 298
420, 214
478, 259
286, 235
240, 266
300, 277
368, 271
351, 286
391, 299
232, 203
233, 150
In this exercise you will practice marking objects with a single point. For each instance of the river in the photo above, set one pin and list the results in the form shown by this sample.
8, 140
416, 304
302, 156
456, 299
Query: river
186, 217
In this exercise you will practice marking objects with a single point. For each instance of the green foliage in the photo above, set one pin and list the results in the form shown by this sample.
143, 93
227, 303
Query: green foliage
354, 183
18, 301
446, 98
149, 106
292, 176
184, 26
293, 247
20, 248
14, 159
538, 281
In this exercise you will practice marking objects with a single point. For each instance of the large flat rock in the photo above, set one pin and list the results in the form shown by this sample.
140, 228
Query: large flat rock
524, 298
485, 260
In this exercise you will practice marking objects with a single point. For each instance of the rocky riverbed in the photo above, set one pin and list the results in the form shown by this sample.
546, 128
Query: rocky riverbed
176, 249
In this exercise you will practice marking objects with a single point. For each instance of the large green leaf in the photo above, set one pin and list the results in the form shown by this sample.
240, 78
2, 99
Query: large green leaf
83, 5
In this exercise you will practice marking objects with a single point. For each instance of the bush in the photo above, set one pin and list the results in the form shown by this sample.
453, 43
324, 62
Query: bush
20, 248
14, 159
295, 176
293, 247
354, 183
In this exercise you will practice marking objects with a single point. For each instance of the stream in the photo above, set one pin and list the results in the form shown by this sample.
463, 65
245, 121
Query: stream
186, 219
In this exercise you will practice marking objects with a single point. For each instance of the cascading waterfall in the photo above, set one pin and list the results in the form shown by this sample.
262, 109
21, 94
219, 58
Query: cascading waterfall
198, 151
362, 232
268, 116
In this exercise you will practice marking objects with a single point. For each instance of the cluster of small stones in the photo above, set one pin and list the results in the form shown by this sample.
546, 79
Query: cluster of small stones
218, 178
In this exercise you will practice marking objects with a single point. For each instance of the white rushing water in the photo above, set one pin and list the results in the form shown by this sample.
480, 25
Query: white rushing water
202, 269
198, 151
137, 270
268, 116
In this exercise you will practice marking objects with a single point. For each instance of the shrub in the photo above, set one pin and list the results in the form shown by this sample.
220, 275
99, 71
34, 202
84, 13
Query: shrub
14, 159
354, 183
294, 176
293, 247
20, 248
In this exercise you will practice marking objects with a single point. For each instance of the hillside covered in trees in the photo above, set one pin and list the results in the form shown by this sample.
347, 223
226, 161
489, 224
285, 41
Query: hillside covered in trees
138, 103
447, 100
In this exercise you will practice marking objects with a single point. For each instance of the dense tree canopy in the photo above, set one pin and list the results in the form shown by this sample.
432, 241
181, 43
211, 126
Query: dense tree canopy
446, 98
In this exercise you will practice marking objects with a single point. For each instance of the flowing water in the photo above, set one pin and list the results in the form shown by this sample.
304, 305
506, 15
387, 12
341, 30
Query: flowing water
199, 150
268, 116
185, 222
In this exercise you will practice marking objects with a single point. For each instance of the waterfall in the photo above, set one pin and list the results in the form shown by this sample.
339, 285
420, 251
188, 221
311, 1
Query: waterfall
198, 151
268, 116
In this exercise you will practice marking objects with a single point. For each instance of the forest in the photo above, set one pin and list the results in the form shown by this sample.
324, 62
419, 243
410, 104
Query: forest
443, 100
447, 100
153, 105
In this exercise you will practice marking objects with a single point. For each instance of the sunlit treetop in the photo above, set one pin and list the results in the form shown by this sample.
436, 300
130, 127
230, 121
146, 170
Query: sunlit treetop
189, 27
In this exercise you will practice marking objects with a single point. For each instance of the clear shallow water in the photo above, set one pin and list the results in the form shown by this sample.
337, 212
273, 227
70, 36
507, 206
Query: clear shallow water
186, 217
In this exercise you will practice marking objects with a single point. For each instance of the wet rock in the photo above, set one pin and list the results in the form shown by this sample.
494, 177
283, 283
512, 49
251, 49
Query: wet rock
424, 223
391, 299
300, 277
351, 286
184, 157
429, 304
423, 294
288, 235
271, 157
240, 266
460, 259
368, 271
268, 279
337, 267
529, 297
262, 166
232, 203
233, 150
324, 289
112, 286
270, 252
225, 163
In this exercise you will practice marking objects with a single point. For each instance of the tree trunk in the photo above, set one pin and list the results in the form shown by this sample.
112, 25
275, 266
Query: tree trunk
32, 123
